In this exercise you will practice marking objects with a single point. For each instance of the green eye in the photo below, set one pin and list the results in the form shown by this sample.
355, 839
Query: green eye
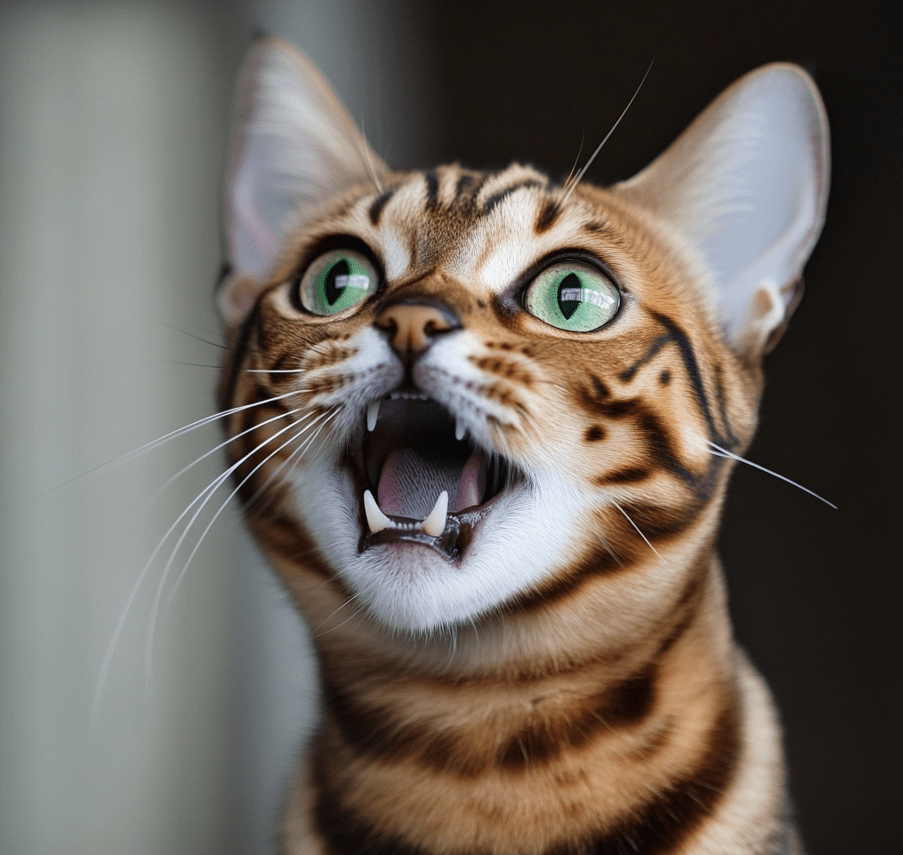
336, 281
572, 296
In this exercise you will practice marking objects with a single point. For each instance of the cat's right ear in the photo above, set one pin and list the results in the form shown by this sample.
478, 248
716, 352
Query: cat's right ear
292, 145
744, 189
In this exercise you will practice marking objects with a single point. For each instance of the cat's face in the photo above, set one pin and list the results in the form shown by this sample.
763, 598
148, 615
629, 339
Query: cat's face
571, 436
490, 390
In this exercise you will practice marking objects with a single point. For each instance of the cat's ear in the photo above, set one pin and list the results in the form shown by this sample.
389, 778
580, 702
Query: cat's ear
292, 144
746, 186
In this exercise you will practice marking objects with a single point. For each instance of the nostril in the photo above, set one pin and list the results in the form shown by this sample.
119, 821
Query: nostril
412, 326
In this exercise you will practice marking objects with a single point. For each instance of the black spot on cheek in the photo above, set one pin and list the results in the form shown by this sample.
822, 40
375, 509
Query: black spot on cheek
664, 378
594, 434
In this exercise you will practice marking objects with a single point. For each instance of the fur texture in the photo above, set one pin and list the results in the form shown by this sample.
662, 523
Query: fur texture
549, 668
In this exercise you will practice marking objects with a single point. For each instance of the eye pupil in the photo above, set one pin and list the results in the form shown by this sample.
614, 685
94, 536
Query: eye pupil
573, 296
332, 290
335, 282
566, 292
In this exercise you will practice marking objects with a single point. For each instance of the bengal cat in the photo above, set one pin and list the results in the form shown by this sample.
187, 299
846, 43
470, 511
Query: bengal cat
483, 424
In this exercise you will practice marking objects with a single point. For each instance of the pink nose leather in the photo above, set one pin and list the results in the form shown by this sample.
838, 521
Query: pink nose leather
412, 326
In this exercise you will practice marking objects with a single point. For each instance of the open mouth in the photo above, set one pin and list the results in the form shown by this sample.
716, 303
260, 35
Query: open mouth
426, 482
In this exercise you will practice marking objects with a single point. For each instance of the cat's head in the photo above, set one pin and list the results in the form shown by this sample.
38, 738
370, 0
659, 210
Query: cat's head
461, 393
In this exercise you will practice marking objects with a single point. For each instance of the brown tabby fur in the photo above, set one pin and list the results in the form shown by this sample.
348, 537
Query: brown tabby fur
604, 708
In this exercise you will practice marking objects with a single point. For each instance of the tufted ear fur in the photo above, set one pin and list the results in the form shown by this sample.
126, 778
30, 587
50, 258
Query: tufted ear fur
292, 143
746, 186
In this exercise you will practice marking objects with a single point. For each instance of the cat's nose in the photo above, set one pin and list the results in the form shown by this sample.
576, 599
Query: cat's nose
412, 326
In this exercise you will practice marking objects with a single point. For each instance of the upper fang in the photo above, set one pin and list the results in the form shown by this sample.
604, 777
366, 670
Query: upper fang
372, 415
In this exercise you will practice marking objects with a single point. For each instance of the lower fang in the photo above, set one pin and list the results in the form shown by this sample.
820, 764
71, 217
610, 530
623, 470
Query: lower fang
376, 519
434, 524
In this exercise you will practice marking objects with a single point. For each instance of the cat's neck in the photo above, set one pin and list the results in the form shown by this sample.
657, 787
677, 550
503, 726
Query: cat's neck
582, 736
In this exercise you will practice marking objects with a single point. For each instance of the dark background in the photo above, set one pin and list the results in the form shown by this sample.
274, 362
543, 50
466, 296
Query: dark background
815, 592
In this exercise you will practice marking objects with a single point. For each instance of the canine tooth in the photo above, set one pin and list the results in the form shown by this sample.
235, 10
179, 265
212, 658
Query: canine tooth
434, 524
372, 415
376, 519
459, 430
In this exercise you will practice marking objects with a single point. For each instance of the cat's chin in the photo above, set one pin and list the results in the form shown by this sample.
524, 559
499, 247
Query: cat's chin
412, 582
417, 582
411, 587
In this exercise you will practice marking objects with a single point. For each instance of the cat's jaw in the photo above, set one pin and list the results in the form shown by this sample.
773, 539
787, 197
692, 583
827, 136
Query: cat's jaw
412, 584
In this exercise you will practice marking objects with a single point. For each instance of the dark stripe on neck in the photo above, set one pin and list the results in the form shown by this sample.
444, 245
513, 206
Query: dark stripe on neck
657, 827
617, 554
663, 823
378, 732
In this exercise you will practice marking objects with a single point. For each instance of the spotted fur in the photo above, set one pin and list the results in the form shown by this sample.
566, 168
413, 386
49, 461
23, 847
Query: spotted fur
555, 671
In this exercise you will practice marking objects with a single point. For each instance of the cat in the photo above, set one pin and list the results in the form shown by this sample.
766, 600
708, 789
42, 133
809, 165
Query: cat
482, 425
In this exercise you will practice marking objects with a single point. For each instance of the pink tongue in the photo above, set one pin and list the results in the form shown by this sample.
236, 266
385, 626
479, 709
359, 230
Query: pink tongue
473, 483
409, 483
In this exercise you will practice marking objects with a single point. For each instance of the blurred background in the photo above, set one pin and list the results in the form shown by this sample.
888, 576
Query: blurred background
113, 119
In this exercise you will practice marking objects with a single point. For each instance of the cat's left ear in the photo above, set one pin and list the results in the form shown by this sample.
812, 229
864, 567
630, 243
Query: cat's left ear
746, 186
292, 145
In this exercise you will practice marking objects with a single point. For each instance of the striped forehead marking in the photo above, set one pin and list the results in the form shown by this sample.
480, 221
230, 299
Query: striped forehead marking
500, 249
484, 229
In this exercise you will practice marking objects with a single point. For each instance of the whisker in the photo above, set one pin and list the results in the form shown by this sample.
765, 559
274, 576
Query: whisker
210, 491
608, 547
302, 447
216, 344
150, 446
314, 632
357, 611
626, 516
298, 451
124, 612
582, 172
213, 450
573, 168
723, 452
206, 420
